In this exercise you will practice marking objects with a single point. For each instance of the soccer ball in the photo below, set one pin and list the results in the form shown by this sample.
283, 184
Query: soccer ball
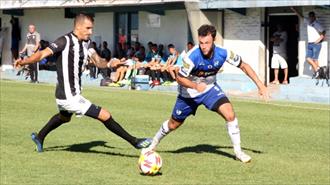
150, 163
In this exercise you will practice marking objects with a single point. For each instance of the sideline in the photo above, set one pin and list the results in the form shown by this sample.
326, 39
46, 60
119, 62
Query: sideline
306, 106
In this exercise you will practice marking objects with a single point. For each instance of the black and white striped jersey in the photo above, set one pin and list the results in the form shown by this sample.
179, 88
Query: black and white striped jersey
71, 58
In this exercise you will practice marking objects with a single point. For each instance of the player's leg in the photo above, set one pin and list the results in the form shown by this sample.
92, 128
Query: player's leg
182, 109
166, 127
56, 121
216, 100
227, 112
106, 118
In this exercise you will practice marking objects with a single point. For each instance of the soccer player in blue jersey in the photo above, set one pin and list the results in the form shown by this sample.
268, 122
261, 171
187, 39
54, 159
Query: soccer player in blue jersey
197, 85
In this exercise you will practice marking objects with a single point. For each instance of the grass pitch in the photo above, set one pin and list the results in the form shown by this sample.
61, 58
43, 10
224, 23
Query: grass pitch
289, 142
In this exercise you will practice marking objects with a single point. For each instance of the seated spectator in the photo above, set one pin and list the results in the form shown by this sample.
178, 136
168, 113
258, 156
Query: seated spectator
106, 54
154, 66
140, 63
172, 60
190, 45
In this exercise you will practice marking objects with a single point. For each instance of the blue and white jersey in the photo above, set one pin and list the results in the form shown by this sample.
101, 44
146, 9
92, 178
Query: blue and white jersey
198, 69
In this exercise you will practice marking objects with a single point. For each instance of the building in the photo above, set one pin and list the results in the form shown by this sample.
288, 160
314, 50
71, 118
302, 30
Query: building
244, 26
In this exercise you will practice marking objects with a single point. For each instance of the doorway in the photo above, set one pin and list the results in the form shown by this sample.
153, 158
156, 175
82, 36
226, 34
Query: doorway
290, 24
126, 28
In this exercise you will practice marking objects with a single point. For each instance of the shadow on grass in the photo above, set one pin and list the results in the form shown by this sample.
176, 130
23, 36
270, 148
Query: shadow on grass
206, 148
87, 148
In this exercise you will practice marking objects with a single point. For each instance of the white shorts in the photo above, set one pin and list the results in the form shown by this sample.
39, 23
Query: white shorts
77, 104
279, 61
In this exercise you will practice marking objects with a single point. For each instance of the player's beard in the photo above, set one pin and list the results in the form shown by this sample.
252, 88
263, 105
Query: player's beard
209, 54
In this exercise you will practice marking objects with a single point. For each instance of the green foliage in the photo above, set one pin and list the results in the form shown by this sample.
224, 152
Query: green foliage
289, 143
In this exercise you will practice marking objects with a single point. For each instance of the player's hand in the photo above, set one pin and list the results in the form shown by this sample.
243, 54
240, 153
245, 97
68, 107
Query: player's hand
264, 94
17, 63
200, 87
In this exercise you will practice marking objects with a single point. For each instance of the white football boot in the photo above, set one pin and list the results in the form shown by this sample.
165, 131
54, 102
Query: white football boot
152, 146
240, 155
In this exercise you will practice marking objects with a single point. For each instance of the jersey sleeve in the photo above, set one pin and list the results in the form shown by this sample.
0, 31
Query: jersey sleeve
233, 58
187, 65
319, 28
58, 45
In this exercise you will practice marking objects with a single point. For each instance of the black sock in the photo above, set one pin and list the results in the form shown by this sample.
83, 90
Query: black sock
114, 127
52, 124
157, 75
165, 76
153, 74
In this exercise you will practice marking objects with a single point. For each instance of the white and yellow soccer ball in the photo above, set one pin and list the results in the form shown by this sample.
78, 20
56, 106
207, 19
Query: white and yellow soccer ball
150, 163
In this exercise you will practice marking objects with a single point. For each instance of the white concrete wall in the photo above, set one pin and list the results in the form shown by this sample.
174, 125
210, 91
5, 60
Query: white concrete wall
104, 27
51, 24
323, 16
173, 29
242, 34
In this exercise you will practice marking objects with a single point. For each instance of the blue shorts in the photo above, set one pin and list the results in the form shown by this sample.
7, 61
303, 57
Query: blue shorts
212, 99
313, 50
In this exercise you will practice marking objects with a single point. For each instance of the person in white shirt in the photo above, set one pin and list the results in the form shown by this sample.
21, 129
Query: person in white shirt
279, 40
315, 34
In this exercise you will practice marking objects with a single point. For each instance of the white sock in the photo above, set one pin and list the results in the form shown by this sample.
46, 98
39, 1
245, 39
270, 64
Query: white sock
234, 134
162, 132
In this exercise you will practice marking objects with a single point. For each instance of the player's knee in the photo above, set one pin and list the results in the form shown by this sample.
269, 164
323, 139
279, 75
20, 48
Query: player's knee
104, 115
230, 117
64, 116
65, 119
172, 124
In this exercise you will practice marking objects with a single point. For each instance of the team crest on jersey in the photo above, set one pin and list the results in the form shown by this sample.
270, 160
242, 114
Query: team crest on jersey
178, 112
186, 65
232, 55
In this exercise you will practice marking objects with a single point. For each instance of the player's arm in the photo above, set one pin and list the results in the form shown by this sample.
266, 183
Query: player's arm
97, 60
36, 57
237, 61
184, 72
184, 81
247, 69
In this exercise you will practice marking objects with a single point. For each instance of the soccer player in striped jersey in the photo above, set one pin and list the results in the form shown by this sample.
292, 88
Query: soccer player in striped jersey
73, 52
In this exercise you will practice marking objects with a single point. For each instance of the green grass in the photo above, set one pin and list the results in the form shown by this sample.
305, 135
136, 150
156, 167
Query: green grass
289, 142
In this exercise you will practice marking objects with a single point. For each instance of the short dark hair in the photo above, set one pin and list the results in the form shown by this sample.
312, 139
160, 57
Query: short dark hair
170, 46
191, 43
82, 16
311, 14
206, 29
